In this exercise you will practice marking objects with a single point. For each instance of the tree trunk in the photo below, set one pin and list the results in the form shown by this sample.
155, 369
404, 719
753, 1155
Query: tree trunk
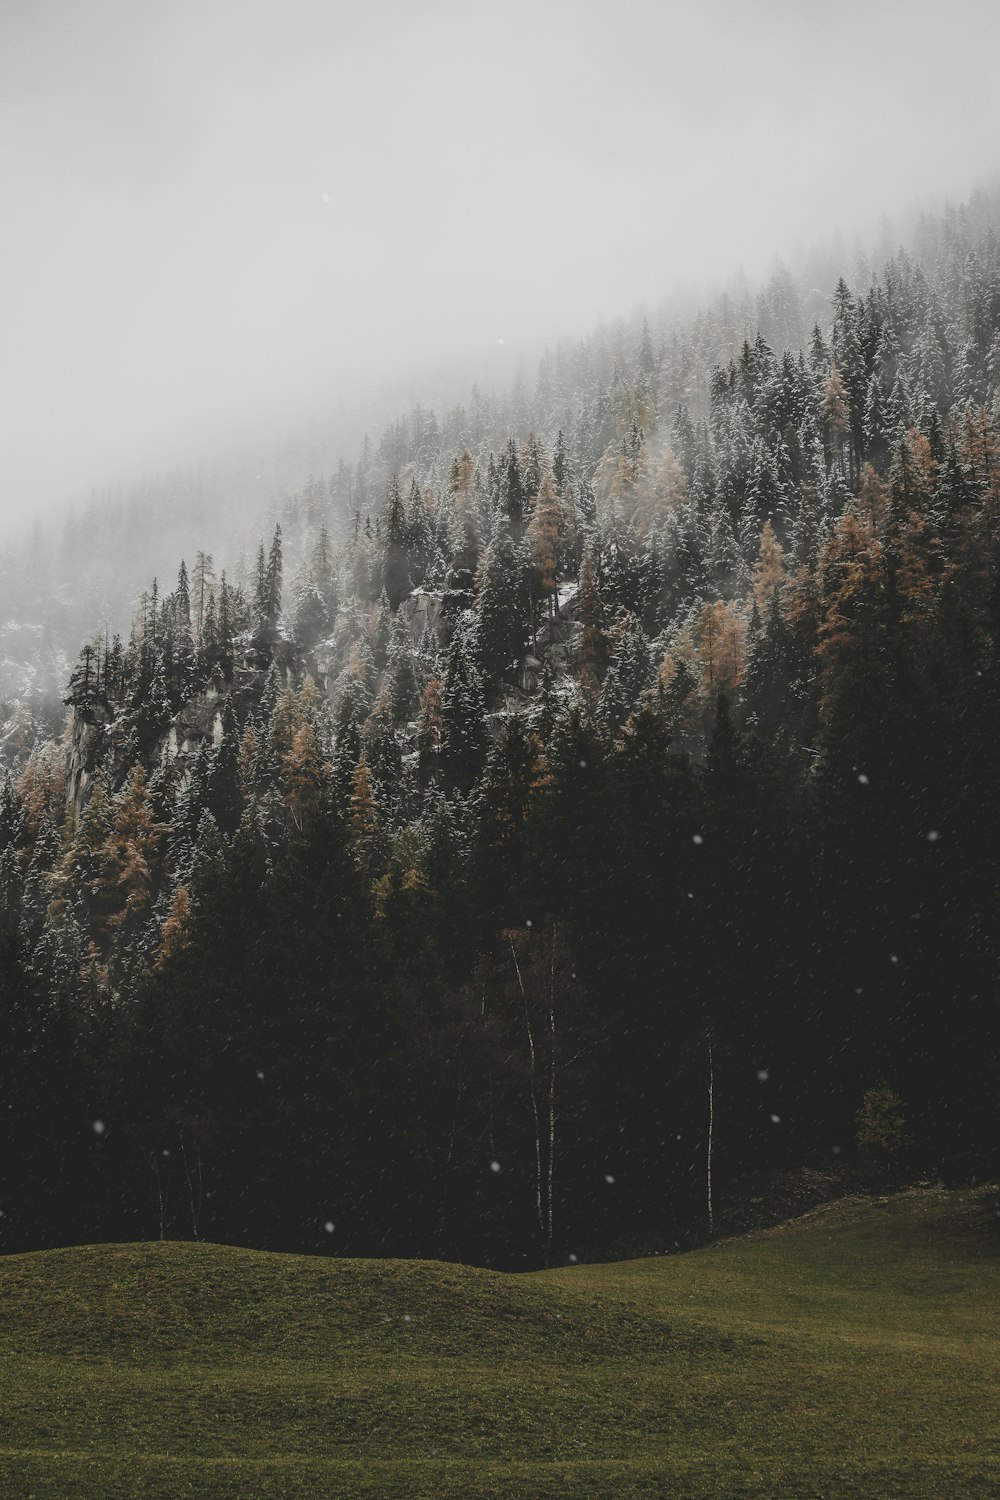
533, 1090
711, 1132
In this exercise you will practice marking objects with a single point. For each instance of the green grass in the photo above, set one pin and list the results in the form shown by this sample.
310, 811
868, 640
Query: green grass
851, 1353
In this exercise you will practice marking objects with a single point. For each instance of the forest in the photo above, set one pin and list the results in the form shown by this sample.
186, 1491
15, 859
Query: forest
581, 800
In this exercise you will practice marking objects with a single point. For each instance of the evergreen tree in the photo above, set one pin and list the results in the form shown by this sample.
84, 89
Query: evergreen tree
463, 711
223, 791
396, 555
593, 642
499, 634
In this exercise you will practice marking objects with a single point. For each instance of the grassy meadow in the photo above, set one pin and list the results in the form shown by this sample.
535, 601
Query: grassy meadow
853, 1352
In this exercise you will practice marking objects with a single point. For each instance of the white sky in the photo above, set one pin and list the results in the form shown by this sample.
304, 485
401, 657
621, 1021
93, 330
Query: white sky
221, 215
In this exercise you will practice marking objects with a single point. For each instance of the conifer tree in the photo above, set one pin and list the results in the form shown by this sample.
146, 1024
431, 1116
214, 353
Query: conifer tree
304, 775
429, 731
720, 647
768, 572
593, 641
544, 536
363, 820
499, 631
560, 463
223, 790
180, 672
419, 534
176, 927
11, 888
273, 580
130, 851
627, 677
396, 557
202, 584
83, 689
381, 752
400, 674
463, 711
836, 415
512, 499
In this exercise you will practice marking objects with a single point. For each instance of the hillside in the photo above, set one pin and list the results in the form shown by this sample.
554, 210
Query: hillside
589, 786
853, 1352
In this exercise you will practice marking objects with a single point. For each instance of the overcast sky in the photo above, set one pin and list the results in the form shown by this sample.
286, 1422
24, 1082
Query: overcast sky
219, 213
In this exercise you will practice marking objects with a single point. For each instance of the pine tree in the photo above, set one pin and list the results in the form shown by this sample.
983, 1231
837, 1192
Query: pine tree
83, 691
400, 673
560, 463
720, 647
12, 820
593, 641
176, 927
202, 582
180, 673
11, 889
273, 580
836, 415
304, 774
419, 533
503, 854
223, 791
512, 500
544, 535
396, 556
768, 572
130, 851
311, 618
627, 678
666, 490
499, 631
363, 821
381, 752
79, 875
462, 482
267, 597
853, 680
463, 713
429, 731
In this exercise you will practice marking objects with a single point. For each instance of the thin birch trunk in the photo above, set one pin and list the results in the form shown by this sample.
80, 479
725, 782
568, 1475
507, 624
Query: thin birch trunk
533, 1089
552, 1096
711, 1132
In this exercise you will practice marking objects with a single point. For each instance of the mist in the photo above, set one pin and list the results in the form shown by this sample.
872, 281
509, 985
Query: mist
223, 218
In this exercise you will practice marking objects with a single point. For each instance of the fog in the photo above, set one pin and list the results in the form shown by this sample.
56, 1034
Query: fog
221, 217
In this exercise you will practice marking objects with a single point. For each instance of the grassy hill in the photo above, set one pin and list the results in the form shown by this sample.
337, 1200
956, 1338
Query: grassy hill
851, 1353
